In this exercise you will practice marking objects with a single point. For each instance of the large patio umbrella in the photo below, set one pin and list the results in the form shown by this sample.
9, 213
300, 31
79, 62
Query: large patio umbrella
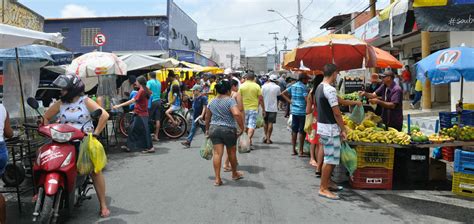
91, 65
448, 65
384, 59
140, 61
346, 51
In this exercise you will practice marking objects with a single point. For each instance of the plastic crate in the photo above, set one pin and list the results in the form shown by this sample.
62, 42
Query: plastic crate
340, 174
464, 162
448, 153
372, 178
369, 156
449, 119
412, 166
463, 184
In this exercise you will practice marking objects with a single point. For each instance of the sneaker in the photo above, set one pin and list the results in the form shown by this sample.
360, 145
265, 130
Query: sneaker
412, 106
186, 144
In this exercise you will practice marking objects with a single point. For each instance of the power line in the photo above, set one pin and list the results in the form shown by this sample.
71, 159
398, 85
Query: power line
247, 25
362, 12
307, 6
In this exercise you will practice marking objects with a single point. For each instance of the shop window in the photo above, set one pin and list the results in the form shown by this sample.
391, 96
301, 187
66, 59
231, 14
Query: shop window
153, 31
87, 36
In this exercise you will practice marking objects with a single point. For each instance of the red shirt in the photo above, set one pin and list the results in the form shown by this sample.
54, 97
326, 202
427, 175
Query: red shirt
406, 76
141, 105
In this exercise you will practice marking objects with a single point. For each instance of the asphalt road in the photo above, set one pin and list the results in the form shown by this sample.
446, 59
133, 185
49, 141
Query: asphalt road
175, 185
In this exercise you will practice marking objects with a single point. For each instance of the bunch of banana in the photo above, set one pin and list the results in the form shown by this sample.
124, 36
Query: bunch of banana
377, 135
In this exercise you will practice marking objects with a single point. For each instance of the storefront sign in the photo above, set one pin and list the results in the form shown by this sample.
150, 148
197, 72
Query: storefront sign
458, 17
369, 31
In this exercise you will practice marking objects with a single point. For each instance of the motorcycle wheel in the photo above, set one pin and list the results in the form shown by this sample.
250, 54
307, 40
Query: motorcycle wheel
124, 123
46, 215
14, 175
175, 131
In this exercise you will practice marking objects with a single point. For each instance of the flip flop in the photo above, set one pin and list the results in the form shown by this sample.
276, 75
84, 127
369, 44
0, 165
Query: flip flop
227, 169
303, 155
218, 184
336, 189
318, 174
241, 176
330, 198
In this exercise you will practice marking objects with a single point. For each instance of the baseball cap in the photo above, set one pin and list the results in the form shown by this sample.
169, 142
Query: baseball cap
197, 87
387, 73
273, 77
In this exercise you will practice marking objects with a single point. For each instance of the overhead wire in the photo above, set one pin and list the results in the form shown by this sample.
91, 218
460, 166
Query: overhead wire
247, 25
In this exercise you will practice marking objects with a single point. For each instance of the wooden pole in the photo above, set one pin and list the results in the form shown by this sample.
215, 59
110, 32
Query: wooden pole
425, 51
373, 11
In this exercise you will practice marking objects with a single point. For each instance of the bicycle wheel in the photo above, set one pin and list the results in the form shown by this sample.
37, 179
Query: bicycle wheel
124, 123
175, 131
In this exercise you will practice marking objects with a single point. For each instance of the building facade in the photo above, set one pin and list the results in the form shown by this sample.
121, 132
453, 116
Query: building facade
226, 53
258, 64
15, 14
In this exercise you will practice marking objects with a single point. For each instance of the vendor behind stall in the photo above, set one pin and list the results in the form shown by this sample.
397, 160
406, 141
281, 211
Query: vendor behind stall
390, 97
371, 88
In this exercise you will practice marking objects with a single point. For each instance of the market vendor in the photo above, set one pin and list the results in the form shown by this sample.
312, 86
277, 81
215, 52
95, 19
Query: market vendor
389, 96
371, 88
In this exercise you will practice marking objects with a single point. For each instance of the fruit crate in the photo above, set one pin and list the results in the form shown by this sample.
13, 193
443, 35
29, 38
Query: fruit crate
412, 166
464, 162
449, 119
463, 184
448, 153
371, 156
372, 178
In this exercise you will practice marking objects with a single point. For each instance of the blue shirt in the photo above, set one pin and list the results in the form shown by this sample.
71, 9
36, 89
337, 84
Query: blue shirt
220, 109
177, 101
199, 104
298, 92
155, 87
132, 95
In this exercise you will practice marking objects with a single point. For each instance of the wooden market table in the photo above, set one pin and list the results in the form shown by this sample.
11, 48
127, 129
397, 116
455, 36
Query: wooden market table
468, 146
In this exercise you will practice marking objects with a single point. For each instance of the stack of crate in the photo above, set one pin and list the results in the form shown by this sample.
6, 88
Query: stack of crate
374, 168
463, 178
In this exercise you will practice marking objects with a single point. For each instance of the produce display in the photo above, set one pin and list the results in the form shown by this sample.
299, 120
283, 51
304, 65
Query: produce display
418, 137
369, 131
437, 138
465, 133
351, 96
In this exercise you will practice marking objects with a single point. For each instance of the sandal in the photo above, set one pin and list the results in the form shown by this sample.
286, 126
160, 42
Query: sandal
227, 169
328, 197
217, 184
240, 176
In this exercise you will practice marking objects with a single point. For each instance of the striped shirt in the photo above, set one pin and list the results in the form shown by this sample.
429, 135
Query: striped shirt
221, 114
298, 92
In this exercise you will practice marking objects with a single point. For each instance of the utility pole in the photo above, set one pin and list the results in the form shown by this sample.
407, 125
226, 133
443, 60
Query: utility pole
299, 18
285, 47
276, 48
231, 56
373, 11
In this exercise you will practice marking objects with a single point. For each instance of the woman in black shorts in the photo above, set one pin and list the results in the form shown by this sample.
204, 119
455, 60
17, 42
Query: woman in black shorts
221, 117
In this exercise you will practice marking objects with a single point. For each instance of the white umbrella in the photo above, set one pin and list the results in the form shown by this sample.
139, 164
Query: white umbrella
141, 61
89, 66
11, 36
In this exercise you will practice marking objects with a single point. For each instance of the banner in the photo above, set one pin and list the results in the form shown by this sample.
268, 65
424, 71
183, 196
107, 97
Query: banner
459, 17
369, 31
429, 3
392, 20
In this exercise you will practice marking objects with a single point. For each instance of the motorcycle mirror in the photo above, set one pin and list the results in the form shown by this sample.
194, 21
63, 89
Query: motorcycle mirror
32, 103
96, 114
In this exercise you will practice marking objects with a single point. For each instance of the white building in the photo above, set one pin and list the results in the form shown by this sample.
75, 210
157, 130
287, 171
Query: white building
225, 52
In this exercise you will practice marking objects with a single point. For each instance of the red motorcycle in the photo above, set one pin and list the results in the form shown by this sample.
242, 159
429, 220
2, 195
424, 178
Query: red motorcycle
59, 186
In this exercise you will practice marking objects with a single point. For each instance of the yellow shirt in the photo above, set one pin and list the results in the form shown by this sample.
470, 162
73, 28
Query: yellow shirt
418, 86
250, 92
212, 92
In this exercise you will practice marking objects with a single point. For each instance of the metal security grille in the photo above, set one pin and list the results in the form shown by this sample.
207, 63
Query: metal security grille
87, 36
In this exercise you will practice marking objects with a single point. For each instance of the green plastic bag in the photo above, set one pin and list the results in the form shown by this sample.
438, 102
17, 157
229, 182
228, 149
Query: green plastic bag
243, 143
96, 153
358, 114
306, 146
84, 163
206, 149
348, 158
260, 121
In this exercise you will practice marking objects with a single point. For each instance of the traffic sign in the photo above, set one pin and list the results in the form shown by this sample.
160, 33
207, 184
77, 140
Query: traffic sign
100, 39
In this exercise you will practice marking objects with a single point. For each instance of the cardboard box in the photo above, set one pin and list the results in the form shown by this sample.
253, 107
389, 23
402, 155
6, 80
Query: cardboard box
437, 170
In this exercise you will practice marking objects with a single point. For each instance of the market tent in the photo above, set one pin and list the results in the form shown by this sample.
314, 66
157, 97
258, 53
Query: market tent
38, 52
140, 61
11, 36
194, 67
384, 59
171, 63
289, 60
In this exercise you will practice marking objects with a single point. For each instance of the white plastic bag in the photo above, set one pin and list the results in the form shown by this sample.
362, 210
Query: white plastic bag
243, 143
290, 120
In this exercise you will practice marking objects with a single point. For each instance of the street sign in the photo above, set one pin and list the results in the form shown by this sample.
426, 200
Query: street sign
100, 39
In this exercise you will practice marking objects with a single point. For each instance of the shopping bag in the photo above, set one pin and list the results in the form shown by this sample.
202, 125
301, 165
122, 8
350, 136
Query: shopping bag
206, 149
308, 123
348, 158
84, 164
288, 123
306, 146
243, 143
260, 121
96, 153
358, 114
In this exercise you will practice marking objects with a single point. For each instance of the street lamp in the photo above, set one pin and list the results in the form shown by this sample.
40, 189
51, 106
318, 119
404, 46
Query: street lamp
298, 19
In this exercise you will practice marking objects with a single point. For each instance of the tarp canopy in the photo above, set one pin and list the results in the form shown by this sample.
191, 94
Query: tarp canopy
141, 61
11, 37
38, 52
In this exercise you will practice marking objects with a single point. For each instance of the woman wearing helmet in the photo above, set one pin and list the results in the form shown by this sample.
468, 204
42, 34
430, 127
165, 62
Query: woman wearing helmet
74, 108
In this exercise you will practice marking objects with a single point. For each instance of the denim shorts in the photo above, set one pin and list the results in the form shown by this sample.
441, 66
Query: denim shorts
297, 123
331, 148
3, 157
251, 119
223, 135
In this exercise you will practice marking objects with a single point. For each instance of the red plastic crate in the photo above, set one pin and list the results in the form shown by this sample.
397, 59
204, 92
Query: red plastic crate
448, 153
372, 178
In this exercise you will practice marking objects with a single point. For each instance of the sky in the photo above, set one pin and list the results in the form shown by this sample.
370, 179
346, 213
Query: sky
247, 20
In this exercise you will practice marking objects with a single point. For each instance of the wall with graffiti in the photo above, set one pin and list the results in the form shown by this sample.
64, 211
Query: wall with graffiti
16, 14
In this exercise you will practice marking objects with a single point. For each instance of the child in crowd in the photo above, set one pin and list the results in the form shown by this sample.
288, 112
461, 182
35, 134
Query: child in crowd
175, 102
